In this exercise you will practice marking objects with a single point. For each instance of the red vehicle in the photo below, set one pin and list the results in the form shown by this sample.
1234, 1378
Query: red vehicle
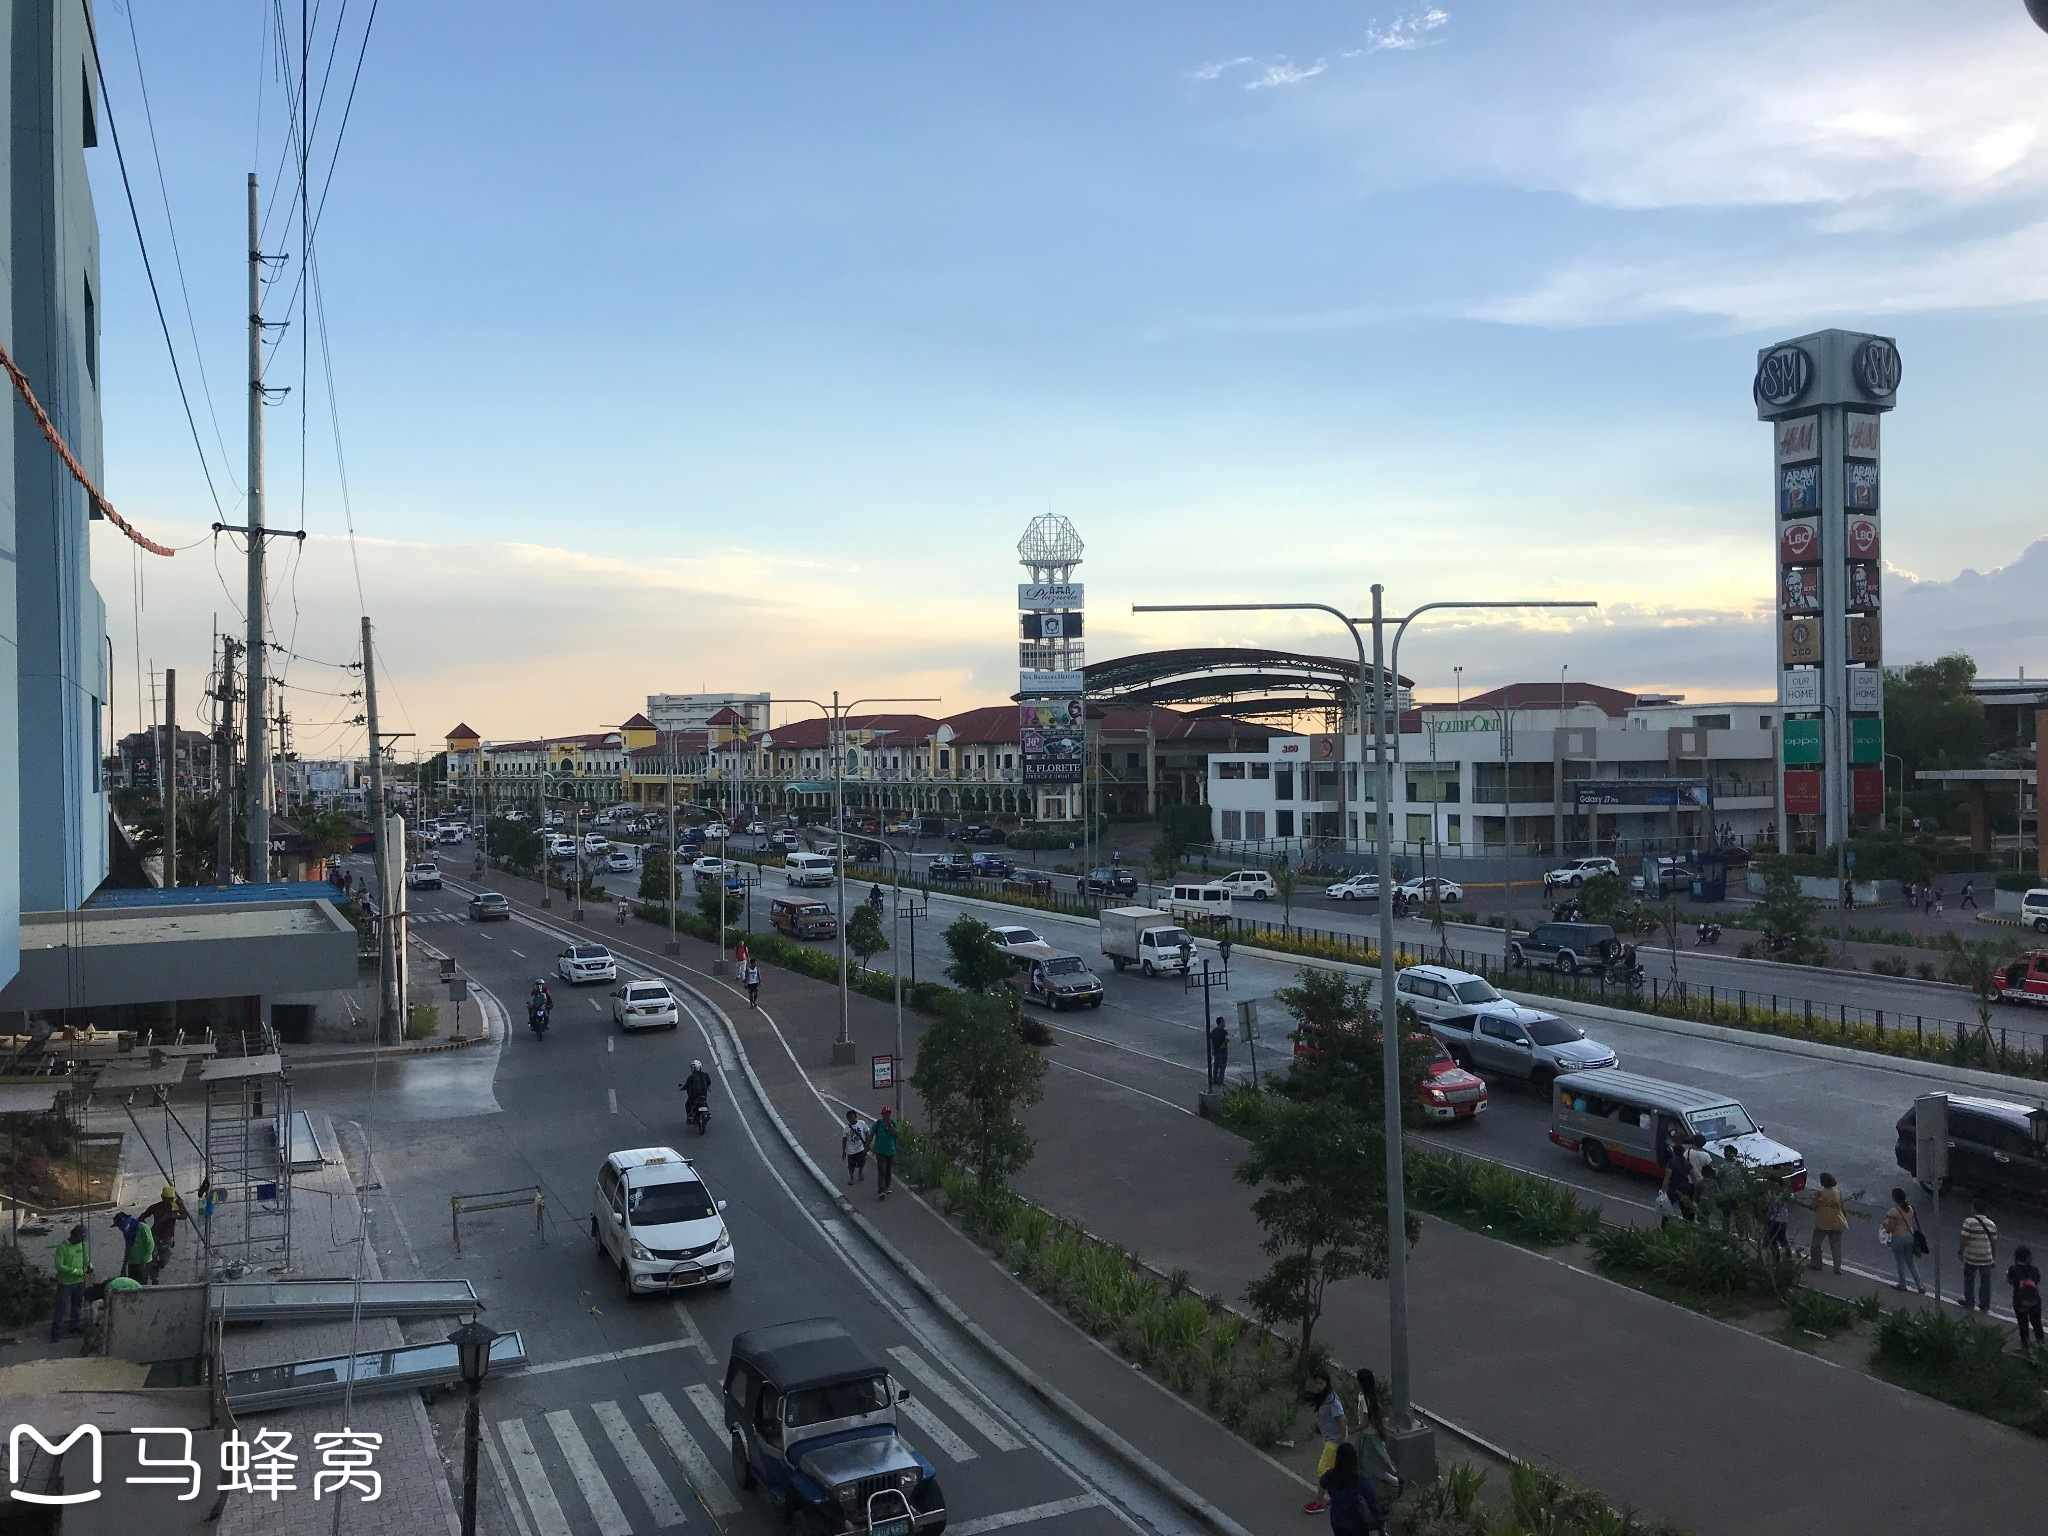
2024, 979
1447, 1090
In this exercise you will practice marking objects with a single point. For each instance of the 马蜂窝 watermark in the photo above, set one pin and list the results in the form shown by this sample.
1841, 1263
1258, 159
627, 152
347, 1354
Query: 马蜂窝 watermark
263, 1466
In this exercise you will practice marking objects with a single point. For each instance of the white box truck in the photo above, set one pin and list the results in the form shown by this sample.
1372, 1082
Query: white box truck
1147, 938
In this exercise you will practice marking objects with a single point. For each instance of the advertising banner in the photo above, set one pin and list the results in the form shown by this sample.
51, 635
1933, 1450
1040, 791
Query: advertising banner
1863, 578
1802, 642
1800, 690
1866, 791
1866, 691
1802, 791
1598, 793
1050, 740
1798, 439
1801, 590
1802, 742
1860, 537
1859, 435
1859, 486
1051, 626
1799, 490
1864, 641
1048, 596
1866, 739
1799, 541
1031, 681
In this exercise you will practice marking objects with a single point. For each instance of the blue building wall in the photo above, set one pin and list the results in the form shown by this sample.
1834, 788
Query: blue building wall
52, 699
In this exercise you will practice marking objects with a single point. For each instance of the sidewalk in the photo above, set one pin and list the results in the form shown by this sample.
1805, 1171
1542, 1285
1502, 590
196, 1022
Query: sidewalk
1660, 1408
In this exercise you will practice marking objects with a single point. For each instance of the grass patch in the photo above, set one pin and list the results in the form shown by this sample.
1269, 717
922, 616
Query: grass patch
1962, 1361
1694, 1266
1811, 1311
49, 1168
1497, 1202
422, 1022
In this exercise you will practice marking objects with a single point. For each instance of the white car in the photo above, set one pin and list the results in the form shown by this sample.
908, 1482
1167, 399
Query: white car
1010, 936
717, 830
900, 826
620, 863
1431, 888
1255, 883
757, 829
1579, 871
645, 1005
714, 866
423, 876
561, 847
586, 962
1356, 888
595, 842
655, 1219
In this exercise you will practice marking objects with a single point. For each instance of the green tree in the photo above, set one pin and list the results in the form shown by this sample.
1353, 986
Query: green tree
975, 1073
329, 832
1931, 718
1285, 879
654, 874
864, 934
516, 843
1606, 899
1184, 825
1337, 1019
1973, 963
1787, 915
1320, 1173
978, 964
1164, 860
198, 838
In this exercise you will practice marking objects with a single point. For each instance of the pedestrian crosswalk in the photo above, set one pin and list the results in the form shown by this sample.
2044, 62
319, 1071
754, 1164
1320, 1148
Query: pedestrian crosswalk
622, 1466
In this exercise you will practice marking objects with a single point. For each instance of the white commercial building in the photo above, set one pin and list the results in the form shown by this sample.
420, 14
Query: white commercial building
693, 711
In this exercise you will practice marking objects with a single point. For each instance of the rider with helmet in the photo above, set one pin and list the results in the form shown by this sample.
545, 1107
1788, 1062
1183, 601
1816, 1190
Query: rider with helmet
696, 1087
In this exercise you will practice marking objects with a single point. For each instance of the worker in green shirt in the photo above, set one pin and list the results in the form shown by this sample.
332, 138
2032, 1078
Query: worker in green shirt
74, 1263
884, 1134
141, 1255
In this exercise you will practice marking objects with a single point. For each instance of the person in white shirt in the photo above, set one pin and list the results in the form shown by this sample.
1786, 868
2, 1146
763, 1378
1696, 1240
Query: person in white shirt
855, 1141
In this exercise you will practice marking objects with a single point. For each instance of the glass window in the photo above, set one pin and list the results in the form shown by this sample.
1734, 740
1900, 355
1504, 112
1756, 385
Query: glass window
841, 1400
1283, 823
656, 1205
1554, 1032
1725, 1120
1233, 825
1230, 770
1262, 770
1475, 991
1283, 782
1499, 1029
1255, 826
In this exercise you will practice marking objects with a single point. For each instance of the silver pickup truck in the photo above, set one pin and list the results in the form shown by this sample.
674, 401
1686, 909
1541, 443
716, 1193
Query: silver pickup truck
1491, 1035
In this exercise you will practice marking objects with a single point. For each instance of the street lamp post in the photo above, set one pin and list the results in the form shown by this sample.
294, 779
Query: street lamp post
472, 1343
1893, 757
1413, 1440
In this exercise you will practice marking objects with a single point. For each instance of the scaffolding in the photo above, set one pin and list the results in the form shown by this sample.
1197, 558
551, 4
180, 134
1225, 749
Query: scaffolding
246, 1203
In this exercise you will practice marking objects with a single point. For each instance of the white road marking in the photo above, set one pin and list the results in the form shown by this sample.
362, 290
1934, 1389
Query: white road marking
1025, 1516
707, 1403
703, 1476
691, 1335
503, 1479
607, 1357
611, 1096
1126, 1087
653, 1491
609, 1042
936, 1430
520, 953
955, 1399
548, 1519
595, 1006
597, 1493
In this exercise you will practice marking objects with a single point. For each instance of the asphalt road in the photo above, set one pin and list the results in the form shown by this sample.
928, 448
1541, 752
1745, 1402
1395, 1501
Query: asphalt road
615, 1428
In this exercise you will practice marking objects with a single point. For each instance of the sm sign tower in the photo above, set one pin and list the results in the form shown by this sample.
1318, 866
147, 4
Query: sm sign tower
1824, 396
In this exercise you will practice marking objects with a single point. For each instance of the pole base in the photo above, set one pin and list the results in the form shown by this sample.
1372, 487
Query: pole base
672, 947
842, 1053
577, 914
547, 901
1413, 1448
721, 966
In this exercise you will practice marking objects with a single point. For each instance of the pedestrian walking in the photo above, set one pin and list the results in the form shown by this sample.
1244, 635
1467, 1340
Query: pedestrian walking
140, 1254
2025, 1281
1969, 901
163, 1219
1334, 1426
1936, 909
753, 985
1675, 1193
1374, 1453
740, 955
1830, 1221
1219, 1052
1900, 1232
73, 1264
1349, 1496
855, 1143
1977, 1247
1908, 893
884, 1134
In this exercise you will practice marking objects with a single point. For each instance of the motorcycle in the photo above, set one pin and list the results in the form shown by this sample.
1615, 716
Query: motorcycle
699, 1115
1707, 933
1623, 966
537, 1020
1565, 912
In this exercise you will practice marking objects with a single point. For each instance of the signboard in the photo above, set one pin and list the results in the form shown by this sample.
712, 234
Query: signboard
1866, 792
1456, 725
1800, 690
1782, 375
1864, 643
1799, 438
1866, 691
1930, 1137
1029, 681
1051, 741
1051, 626
1326, 749
1248, 1019
1048, 596
1799, 490
1859, 434
1863, 578
881, 1072
1866, 739
1683, 793
1802, 642
1859, 486
1802, 791
1859, 540
1801, 589
1799, 541
1802, 742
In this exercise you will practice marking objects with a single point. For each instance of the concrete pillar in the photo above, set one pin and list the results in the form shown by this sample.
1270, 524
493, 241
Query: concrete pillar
1980, 819
1151, 765
2040, 799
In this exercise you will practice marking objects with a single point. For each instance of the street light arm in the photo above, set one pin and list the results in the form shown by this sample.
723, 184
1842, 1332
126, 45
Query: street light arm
1400, 629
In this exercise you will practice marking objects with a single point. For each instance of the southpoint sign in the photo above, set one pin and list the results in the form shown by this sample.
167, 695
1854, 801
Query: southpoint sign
1454, 725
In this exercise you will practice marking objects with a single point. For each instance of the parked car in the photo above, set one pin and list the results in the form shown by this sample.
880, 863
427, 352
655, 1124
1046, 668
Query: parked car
978, 832
1355, 888
2034, 909
1579, 871
1672, 877
490, 907
1616, 1119
865, 852
1485, 1032
1566, 947
2024, 978
812, 1419
657, 1221
645, 1005
586, 962
1253, 883
786, 840
1112, 881
950, 866
423, 876
901, 826
1430, 888
1447, 1091
1995, 1148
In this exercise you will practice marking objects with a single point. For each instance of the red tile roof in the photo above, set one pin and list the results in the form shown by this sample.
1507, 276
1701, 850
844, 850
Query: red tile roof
461, 733
637, 722
1610, 701
727, 716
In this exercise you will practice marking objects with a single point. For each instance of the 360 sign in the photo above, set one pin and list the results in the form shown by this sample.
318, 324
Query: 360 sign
1783, 375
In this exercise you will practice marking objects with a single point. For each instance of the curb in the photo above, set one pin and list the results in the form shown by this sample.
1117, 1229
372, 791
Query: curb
1114, 1445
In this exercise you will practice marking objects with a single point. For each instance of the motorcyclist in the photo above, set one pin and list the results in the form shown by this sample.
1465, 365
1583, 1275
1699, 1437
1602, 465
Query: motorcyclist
696, 1087
539, 1000
875, 896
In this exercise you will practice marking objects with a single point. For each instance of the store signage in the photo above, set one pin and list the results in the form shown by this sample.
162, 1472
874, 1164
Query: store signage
1864, 640
1051, 626
1863, 577
1859, 538
1033, 681
1798, 439
1686, 794
1052, 739
1802, 642
1801, 591
1801, 740
1456, 725
1782, 375
1859, 485
1800, 689
1047, 596
1866, 691
1866, 791
1798, 490
1866, 739
1859, 435
1802, 791
1877, 368
1799, 540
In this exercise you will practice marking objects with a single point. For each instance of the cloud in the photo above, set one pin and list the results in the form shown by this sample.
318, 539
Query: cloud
1403, 33
1266, 73
1994, 615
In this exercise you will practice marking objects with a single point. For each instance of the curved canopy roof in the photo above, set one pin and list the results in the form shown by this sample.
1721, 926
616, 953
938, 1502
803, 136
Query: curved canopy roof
1224, 679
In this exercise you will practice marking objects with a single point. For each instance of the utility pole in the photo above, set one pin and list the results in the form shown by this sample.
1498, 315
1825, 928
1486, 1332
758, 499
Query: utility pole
387, 1013
224, 763
256, 764
167, 764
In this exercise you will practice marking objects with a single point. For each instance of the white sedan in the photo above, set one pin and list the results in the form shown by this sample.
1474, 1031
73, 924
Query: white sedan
645, 1005
757, 829
716, 831
586, 962
1356, 888
1432, 888
621, 862
710, 865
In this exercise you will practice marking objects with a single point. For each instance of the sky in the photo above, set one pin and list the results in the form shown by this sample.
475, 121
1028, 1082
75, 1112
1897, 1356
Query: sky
703, 348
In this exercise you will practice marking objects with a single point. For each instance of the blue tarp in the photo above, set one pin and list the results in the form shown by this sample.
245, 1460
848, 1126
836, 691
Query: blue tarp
215, 895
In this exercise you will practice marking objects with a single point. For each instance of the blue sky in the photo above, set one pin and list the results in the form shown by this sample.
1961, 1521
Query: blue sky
684, 346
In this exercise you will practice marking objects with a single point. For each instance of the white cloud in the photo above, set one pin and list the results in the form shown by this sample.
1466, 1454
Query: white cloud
1403, 33
1284, 73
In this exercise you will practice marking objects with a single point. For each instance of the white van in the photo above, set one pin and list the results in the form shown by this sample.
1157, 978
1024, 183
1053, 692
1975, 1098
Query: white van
1255, 883
2034, 909
1195, 901
807, 869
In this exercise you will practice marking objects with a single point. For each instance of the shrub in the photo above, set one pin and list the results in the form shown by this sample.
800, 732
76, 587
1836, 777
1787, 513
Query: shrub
1693, 1263
26, 1290
1963, 1362
1818, 1312
1519, 1206
422, 1020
